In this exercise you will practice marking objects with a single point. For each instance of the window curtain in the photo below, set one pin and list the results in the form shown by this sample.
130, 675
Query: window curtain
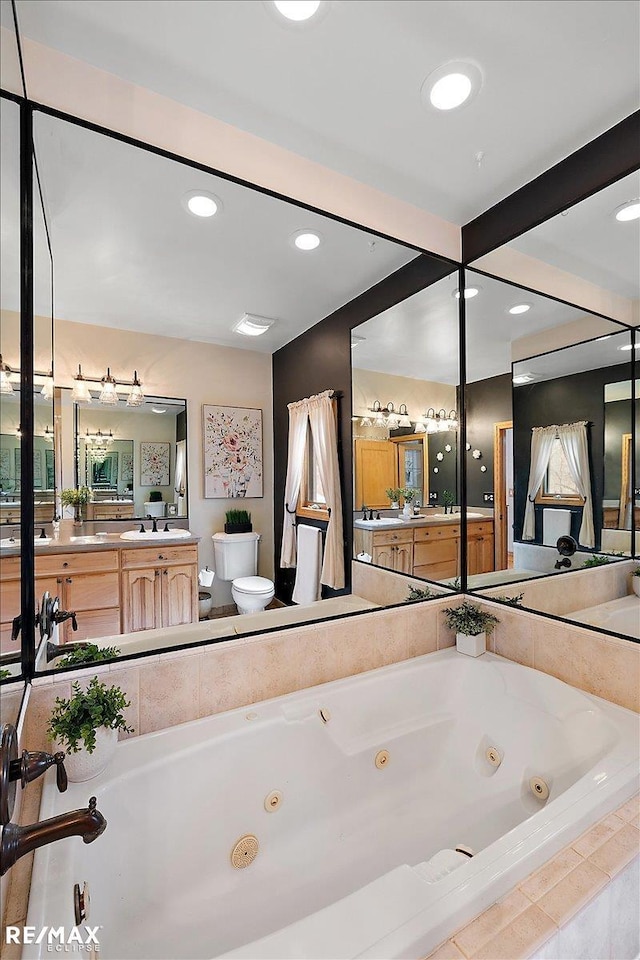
298, 419
325, 447
541, 443
573, 437
180, 477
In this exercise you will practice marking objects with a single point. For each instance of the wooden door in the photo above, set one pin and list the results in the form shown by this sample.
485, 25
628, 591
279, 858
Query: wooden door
376, 469
500, 495
179, 597
141, 597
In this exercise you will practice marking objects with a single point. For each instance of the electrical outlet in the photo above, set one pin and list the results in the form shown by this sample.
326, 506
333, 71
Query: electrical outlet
487, 497
433, 496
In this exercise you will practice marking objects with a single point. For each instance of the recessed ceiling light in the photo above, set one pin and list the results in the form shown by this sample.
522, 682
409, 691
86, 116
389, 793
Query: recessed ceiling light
628, 211
158, 409
628, 346
523, 378
297, 10
451, 85
306, 239
600, 339
251, 325
518, 308
469, 293
201, 203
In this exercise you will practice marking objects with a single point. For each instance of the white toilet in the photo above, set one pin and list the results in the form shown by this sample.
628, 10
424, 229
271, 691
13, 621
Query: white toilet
236, 559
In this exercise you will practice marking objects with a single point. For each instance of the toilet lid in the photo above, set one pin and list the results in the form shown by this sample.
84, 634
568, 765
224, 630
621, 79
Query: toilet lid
253, 585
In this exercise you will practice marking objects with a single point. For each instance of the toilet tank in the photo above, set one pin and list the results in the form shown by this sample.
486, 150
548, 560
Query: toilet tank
235, 555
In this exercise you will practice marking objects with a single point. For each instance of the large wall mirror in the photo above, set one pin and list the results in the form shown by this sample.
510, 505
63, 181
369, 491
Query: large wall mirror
405, 380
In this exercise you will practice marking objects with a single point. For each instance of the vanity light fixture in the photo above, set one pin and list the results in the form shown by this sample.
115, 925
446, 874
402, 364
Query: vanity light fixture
469, 293
306, 240
440, 421
628, 346
451, 85
628, 211
136, 396
387, 416
80, 392
108, 394
201, 203
47, 386
297, 11
519, 308
99, 439
6, 387
251, 325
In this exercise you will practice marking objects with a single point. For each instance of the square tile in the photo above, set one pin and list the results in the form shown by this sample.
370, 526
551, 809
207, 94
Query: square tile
520, 938
573, 892
168, 693
593, 838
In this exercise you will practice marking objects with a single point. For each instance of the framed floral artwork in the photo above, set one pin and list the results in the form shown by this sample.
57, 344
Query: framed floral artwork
232, 438
154, 463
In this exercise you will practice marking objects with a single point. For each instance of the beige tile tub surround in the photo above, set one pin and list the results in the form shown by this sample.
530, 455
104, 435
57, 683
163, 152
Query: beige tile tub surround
562, 594
385, 586
585, 902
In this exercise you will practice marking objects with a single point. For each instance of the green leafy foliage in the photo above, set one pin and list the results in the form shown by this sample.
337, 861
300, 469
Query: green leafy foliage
596, 561
237, 516
394, 494
155, 496
74, 722
4, 674
448, 499
87, 653
636, 572
514, 601
416, 593
75, 497
470, 619
408, 494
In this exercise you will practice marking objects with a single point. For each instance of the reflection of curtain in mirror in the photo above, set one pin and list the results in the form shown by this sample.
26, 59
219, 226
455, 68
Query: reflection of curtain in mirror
573, 437
298, 419
541, 443
325, 446
180, 477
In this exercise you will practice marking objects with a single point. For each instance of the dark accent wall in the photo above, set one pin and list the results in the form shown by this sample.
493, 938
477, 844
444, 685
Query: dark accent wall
488, 402
617, 420
181, 426
320, 359
604, 160
563, 400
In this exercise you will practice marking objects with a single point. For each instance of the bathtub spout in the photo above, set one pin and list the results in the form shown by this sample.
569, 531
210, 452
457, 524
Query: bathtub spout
17, 841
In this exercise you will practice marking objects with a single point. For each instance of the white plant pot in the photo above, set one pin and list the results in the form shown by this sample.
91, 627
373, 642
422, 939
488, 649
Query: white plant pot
407, 510
471, 646
84, 766
635, 583
394, 505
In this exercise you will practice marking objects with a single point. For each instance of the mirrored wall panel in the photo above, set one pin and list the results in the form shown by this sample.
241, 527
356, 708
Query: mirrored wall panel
170, 282
405, 380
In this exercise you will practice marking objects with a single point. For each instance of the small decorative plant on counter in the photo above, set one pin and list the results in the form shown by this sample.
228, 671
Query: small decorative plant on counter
86, 727
416, 593
394, 497
76, 497
513, 601
448, 501
635, 581
408, 494
472, 625
87, 653
597, 560
237, 521
155, 496
4, 673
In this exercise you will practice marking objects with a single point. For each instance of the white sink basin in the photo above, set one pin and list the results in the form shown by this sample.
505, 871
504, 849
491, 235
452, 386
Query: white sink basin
372, 524
457, 516
113, 501
10, 543
90, 538
155, 537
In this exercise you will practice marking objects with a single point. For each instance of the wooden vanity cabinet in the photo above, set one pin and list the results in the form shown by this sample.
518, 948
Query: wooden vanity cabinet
110, 511
87, 583
394, 550
480, 547
159, 587
436, 552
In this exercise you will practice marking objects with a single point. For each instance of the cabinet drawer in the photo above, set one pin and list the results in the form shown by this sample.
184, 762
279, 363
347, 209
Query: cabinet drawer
448, 531
436, 552
148, 556
113, 512
381, 537
437, 571
9, 600
92, 591
9, 568
480, 529
95, 623
66, 563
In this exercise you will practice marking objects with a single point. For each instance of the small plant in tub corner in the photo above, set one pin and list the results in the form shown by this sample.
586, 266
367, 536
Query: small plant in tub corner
86, 727
472, 625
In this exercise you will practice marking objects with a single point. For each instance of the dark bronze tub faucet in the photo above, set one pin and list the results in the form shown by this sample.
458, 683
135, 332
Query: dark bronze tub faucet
17, 841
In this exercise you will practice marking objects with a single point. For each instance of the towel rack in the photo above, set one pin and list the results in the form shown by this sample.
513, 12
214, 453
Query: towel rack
292, 513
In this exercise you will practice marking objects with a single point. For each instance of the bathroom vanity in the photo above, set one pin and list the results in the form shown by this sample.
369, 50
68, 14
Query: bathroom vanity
114, 586
428, 547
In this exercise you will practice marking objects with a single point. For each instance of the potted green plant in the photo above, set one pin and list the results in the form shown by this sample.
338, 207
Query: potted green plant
394, 497
76, 497
635, 581
408, 494
472, 624
85, 653
155, 496
86, 727
597, 560
448, 500
237, 521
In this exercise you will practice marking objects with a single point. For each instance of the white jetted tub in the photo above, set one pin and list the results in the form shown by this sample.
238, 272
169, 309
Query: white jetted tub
342, 868
620, 616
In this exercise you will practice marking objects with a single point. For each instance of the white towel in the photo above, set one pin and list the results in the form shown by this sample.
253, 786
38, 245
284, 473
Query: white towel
555, 524
307, 587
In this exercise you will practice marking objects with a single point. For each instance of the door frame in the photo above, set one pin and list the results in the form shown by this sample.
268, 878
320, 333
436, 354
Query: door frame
500, 514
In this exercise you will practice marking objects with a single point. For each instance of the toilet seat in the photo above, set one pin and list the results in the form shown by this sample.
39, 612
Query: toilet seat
253, 586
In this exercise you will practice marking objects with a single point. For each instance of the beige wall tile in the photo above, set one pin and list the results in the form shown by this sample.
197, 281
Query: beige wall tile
630, 809
168, 693
573, 892
551, 873
128, 679
446, 951
618, 851
421, 626
520, 938
596, 836
41, 703
485, 927
513, 637
224, 677
446, 637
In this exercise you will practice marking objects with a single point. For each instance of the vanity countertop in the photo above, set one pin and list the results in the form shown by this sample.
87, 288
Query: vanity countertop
425, 520
90, 544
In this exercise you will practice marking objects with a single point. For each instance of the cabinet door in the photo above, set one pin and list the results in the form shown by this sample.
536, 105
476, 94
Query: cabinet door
179, 598
376, 466
384, 557
141, 599
404, 558
485, 554
91, 591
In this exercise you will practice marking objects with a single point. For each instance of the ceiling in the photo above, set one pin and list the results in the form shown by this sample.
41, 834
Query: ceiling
129, 255
345, 90
418, 338
593, 355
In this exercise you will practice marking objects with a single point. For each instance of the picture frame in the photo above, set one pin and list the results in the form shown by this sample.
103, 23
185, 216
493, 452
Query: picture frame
155, 463
232, 452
